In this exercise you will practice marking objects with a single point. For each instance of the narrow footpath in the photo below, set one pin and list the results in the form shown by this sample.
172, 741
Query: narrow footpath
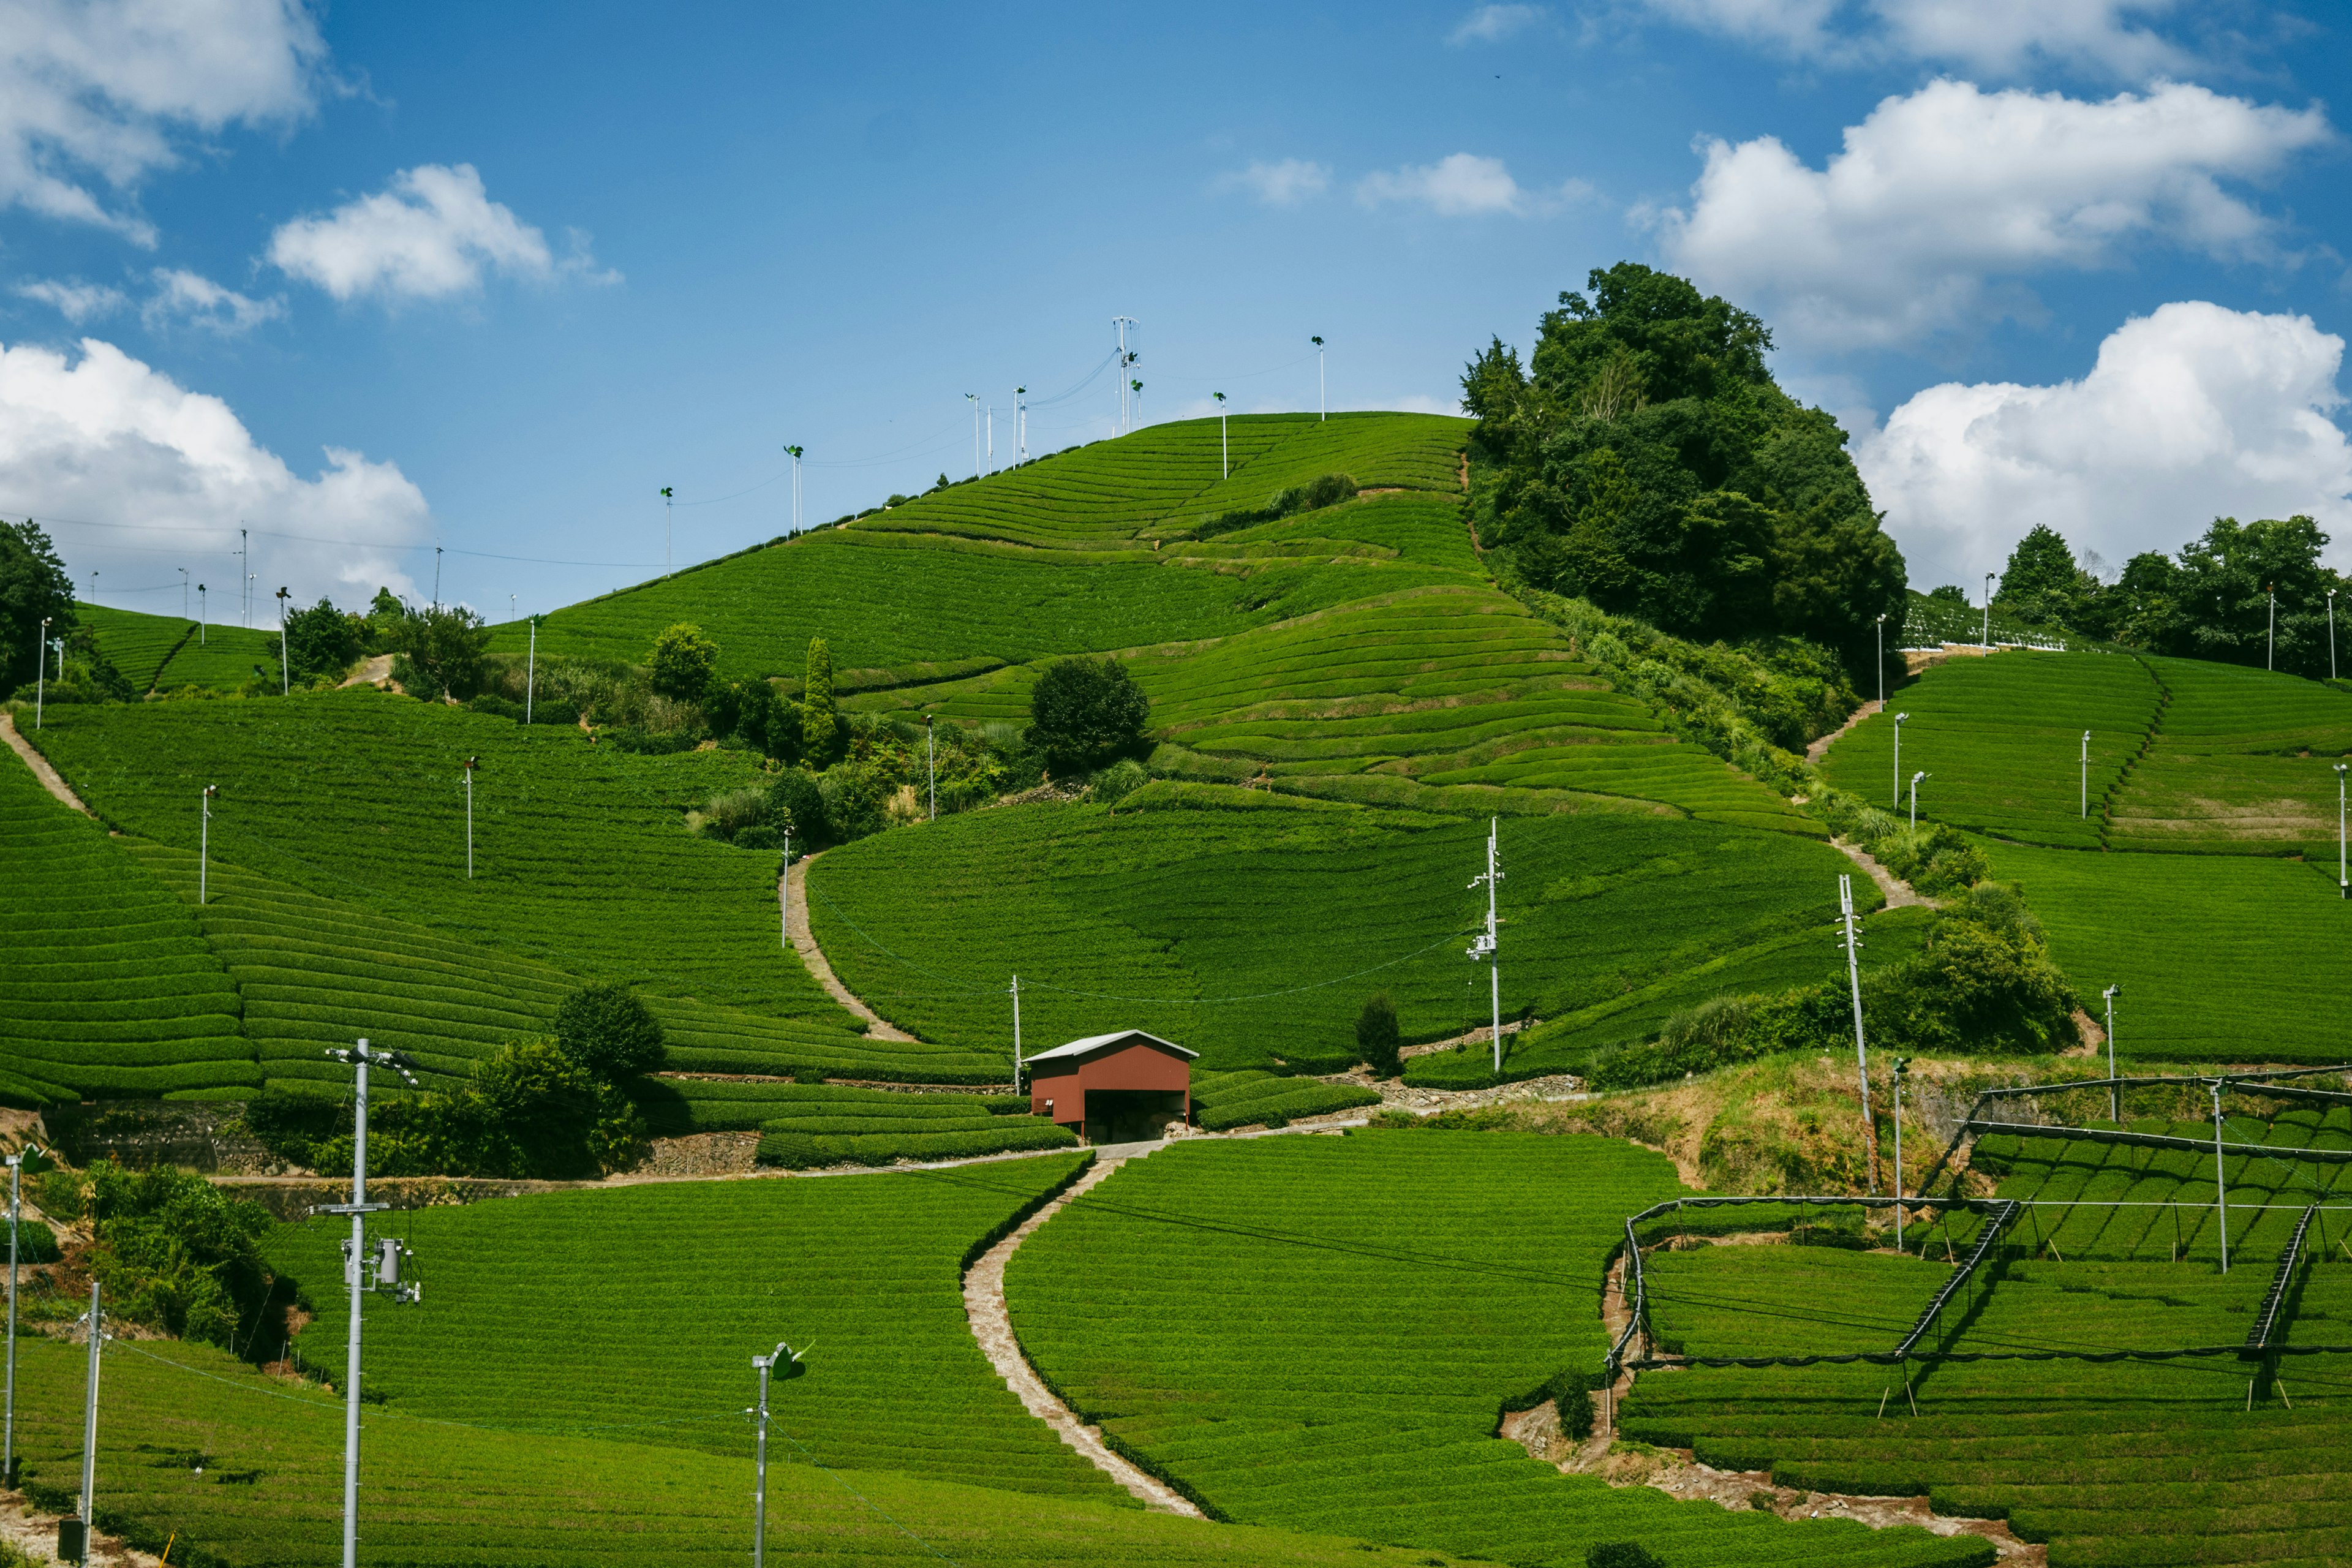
991, 1325
793, 888
40, 766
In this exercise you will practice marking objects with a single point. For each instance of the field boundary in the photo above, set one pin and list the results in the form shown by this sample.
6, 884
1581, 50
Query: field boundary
50, 778
992, 1326
793, 888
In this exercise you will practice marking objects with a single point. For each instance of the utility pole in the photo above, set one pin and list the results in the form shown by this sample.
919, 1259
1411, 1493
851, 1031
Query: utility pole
1021, 421
1985, 640
1139, 400
784, 892
1017, 1033
1322, 411
992, 438
2220, 1183
973, 398
73, 1535
285, 658
471, 763
2115, 1090
1899, 759
2086, 776
1881, 641
436, 576
2269, 647
204, 841
356, 1269
930, 768
1914, 800
763, 1366
1224, 446
204, 617
2343, 888
1483, 946
1902, 1068
41, 672
93, 585
33, 1159
244, 570
184, 593
2331, 634
1126, 360
796, 451
665, 537
530, 673
1861, 1051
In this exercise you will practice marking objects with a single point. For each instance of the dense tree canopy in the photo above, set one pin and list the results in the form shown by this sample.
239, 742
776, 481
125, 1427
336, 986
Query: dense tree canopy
1645, 460
1085, 712
33, 586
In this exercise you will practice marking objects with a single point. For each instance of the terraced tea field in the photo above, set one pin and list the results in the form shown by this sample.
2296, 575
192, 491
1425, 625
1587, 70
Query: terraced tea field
581, 854
1312, 1331
2160, 1461
436, 1494
2243, 763
1219, 928
108, 988
2222, 958
163, 653
139, 645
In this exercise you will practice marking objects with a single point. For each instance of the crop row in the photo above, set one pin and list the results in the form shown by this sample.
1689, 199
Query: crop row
815, 1142
137, 645
2242, 764
1252, 934
1245, 1099
1306, 1330
215, 1460
109, 989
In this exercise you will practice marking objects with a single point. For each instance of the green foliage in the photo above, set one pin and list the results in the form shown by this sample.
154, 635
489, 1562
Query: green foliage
683, 662
609, 1032
1647, 461
440, 651
1251, 1097
2042, 582
820, 721
1121, 779
34, 586
321, 642
1085, 712
178, 1254
36, 1242
1305, 1331
1377, 1036
1620, 1554
795, 802
83, 674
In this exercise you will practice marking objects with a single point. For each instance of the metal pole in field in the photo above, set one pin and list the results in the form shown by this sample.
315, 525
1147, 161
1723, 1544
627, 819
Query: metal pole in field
973, 398
1017, 1033
244, 570
41, 672
783, 1356
285, 658
1914, 799
1861, 1051
2270, 645
32, 1156
203, 618
796, 452
1482, 945
1224, 446
2331, 634
1021, 424
930, 768
2115, 1090
470, 763
204, 841
1902, 1065
1986, 638
666, 521
1899, 759
2220, 1184
2086, 776
2343, 887
531, 674
184, 593
90, 1422
784, 891
1322, 404
1880, 638
436, 576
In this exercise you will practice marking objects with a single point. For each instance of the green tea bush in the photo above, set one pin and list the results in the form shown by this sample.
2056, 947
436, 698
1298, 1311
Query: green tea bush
178, 1254
1377, 1036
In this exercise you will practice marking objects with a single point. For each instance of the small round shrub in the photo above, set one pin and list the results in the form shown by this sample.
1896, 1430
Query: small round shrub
758, 836
609, 1031
1121, 779
1377, 1036
1620, 1554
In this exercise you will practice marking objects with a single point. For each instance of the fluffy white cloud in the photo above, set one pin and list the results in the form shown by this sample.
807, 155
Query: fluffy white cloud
433, 234
2000, 37
187, 297
1463, 185
2191, 412
75, 300
1493, 23
1284, 184
91, 94
106, 439
1940, 200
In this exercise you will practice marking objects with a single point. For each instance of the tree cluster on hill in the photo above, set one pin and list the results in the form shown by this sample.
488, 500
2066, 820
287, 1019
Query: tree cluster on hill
2214, 600
1645, 459
34, 586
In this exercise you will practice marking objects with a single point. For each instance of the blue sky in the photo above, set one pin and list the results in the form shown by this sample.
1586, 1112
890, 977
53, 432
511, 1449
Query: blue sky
374, 278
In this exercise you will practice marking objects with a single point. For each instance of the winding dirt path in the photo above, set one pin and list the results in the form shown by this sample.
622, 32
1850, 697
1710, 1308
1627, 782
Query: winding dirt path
793, 888
991, 1325
40, 766
1819, 746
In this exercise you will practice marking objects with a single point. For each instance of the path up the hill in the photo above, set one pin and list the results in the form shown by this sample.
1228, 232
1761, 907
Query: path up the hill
793, 888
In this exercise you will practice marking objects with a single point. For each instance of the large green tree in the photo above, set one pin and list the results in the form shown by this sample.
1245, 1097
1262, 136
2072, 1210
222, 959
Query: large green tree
1645, 459
33, 585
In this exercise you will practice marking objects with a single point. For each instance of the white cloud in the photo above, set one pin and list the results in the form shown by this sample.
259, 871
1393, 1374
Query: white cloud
75, 300
107, 439
1493, 23
93, 94
1999, 36
2191, 412
183, 296
1283, 183
1939, 201
433, 234
1463, 185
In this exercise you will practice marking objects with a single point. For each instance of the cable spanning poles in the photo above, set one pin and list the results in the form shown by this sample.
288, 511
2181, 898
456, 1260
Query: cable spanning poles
1483, 945
1861, 1050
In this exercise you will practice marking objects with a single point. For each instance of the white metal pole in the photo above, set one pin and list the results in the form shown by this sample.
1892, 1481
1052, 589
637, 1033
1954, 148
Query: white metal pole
357, 1265
784, 890
1902, 1065
1224, 446
204, 843
1899, 759
930, 769
2220, 1184
760, 1483
2331, 634
203, 618
285, 657
2269, 647
2086, 776
1322, 409
244, 570
666, 535
530, 676
1493, 957
1020, 424
184, 593
1017, 1033
2115, 1091
2343, 887
1861, 1052
1880, 641
973, 398
41, 672
8, 1436
89, 1420
470, 820
1987, 637
1914, 800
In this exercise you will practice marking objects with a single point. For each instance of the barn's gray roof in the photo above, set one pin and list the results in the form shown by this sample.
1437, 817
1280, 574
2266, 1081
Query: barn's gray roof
1096, 1042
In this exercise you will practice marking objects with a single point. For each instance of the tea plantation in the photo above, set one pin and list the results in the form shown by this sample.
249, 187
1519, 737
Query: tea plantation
1321, 1332
164, 653
1217, 928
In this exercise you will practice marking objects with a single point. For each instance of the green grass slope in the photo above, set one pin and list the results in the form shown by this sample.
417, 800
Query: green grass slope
2243, 763
581, 854
200, 1453
139, 645
1250, 926
2221, 958
106, 989
2000, 739
1321, 1332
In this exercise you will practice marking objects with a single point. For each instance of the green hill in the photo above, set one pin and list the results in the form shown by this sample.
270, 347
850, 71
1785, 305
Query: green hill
163, 653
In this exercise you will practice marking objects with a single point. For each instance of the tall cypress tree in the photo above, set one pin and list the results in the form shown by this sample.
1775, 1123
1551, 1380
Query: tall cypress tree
820, 721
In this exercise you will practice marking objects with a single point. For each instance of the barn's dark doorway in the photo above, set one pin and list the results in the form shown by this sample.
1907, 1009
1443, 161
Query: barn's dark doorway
1131, 1115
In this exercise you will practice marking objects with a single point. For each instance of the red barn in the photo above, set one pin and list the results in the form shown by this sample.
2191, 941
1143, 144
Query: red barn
1113, 1089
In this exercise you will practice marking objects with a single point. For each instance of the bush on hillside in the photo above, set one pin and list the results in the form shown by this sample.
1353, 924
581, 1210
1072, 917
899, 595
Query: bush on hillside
176, 1253
820, 732
89, 676
796, 804
1085, 712
683, 662
1117, 781
439, 651
34, 586
37, 1243
1620, 1554
321, 642
609, 1031
1377, 1035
